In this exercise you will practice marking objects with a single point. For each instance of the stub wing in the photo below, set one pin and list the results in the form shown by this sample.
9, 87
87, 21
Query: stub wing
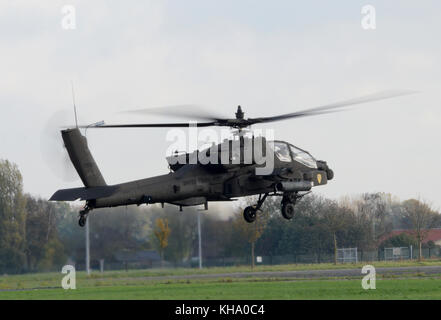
83, 193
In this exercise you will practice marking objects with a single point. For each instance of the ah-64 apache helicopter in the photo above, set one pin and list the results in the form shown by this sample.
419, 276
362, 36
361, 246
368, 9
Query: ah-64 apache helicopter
294, 171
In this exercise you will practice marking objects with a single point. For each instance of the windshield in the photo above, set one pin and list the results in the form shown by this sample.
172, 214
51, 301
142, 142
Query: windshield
303, 157
282, 151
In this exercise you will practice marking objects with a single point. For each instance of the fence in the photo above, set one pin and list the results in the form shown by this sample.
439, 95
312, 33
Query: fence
397, 253
345, 255
303, 258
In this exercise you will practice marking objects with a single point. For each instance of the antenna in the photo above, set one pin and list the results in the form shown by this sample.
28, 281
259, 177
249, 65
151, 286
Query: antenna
75, 107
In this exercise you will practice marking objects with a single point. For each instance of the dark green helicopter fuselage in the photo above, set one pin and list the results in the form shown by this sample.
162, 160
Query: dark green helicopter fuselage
294, 170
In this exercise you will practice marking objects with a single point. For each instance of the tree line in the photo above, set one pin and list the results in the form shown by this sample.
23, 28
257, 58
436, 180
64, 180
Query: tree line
38, 235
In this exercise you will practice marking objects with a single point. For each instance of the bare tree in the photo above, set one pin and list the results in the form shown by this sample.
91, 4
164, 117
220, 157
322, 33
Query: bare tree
420, 217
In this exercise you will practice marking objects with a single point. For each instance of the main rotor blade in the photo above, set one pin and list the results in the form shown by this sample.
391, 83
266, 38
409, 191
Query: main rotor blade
154, 125
333, 106
242, 123
187, 111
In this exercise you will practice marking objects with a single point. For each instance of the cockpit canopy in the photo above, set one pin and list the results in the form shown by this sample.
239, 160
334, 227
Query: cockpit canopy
286, 152
243, 153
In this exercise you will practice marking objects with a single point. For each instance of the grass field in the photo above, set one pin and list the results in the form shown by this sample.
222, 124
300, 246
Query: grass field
137, 284
256, 289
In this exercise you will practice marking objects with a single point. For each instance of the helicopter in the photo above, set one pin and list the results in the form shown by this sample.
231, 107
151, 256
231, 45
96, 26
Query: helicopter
292, 175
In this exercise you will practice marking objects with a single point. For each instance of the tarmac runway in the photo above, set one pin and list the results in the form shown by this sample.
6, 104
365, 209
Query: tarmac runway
309, 274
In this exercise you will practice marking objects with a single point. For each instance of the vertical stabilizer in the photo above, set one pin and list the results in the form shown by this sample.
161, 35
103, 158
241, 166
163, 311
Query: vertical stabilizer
79, 153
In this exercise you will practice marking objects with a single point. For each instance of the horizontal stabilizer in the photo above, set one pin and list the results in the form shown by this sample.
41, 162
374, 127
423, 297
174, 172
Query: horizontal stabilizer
83, 193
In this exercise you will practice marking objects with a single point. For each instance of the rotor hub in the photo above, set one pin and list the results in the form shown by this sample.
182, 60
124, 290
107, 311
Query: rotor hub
239, 113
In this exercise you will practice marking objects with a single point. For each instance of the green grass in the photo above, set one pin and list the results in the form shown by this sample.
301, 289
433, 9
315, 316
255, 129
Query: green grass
306, 289
117, 277
139, 284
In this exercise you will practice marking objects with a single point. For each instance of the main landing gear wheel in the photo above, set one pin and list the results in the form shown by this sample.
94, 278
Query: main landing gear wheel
249, 214
288, 210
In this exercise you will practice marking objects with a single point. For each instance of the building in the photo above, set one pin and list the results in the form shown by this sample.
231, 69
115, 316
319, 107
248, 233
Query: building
430, 235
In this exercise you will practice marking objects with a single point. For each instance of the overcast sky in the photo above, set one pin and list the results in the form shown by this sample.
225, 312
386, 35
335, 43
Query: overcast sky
271, 57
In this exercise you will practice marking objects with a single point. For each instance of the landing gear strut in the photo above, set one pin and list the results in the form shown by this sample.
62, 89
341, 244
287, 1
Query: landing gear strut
83, 216
250, 212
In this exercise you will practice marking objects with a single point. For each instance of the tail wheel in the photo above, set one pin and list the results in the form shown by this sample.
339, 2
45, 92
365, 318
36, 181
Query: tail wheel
249, 214
288, 210
82, 221
83, 217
